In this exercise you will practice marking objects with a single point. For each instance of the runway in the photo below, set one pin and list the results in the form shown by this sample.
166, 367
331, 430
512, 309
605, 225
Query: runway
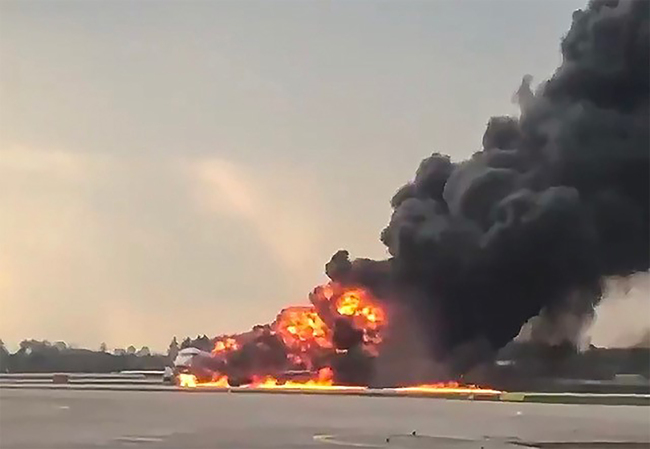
57, 419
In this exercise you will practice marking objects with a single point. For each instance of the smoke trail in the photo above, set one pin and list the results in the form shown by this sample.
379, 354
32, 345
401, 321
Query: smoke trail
528, 227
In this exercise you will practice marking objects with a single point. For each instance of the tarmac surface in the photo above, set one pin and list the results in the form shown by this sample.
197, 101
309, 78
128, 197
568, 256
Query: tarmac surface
57, 419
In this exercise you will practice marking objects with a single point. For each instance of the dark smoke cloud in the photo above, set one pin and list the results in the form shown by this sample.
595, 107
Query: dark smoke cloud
529, 226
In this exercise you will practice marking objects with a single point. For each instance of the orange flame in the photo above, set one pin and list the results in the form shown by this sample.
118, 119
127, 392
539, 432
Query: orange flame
323, 381
301, 328
225, 344
356, 303
367, 316
306, 330
187, 380
219, 381
448, 388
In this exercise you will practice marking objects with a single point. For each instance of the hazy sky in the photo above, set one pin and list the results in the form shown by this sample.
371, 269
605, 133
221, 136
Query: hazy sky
174, 168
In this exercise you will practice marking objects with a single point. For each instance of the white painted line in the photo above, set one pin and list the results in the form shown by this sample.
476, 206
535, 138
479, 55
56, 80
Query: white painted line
139, 439
331, 439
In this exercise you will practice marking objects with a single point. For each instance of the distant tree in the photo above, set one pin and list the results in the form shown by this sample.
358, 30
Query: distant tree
102, 347
130, 350
186, 343
60, 345
36, 356
4, 357
172, 351
143, 352
27, 346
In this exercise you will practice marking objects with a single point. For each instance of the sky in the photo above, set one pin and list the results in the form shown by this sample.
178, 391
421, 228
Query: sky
182, 168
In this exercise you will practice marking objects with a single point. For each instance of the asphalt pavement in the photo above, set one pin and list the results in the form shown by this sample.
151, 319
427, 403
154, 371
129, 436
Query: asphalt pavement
57, 419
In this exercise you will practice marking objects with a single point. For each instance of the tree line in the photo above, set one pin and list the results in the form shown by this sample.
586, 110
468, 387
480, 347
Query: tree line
528, 360
42, 356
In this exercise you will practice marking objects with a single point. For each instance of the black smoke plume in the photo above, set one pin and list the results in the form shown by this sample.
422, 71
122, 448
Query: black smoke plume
556, 201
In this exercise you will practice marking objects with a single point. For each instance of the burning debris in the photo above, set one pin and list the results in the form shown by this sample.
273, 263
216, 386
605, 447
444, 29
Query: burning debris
527, 228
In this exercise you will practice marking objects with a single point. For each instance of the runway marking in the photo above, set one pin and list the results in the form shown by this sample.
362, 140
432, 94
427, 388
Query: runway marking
139, 439
331, 439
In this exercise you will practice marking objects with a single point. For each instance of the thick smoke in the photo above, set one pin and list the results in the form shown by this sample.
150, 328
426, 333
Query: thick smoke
529, 226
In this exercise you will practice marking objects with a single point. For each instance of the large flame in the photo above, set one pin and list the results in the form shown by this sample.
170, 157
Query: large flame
187, 380
301, 329
366, 315
306, 334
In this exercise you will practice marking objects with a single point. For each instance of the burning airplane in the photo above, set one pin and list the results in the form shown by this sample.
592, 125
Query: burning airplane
524, 231
305, 345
